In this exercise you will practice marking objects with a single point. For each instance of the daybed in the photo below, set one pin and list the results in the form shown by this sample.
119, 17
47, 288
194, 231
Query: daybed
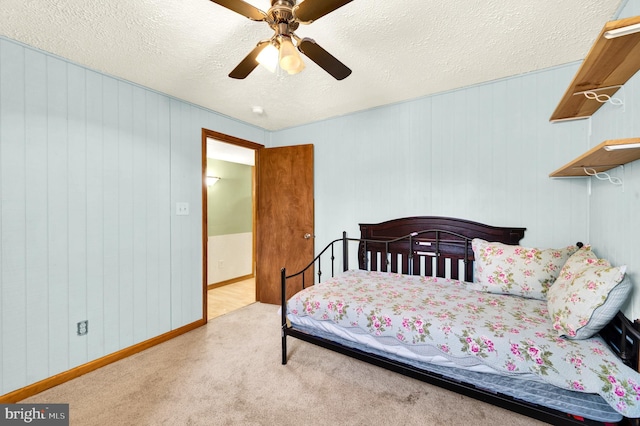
536, 331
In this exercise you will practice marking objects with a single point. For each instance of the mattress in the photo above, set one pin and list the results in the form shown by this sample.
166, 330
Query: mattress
526, 388
503, 343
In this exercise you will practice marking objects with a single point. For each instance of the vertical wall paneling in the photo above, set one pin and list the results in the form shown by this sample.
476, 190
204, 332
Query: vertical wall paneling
139, 215
36, 286
406, 183
186, 256
612, 122
472, 147
482, 163
177, 222
77, 210
12, 214
541, 160
564, 142
478, 163
613, 209
58, 220
90, 170
96, 180
443, 149
186, 272
111, 218
125, 212
437, 162
149, 294
501, 147
163, 214
455, 125
519, 144
419, 156
623, 246
194, 279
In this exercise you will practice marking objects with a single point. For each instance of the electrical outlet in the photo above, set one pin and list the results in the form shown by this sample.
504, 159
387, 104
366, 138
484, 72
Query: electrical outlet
83, 327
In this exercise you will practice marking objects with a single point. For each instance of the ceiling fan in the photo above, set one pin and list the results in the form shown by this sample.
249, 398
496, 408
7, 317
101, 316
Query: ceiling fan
284, 17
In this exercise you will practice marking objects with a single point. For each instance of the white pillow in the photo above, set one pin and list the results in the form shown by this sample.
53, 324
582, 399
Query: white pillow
587, 295
522, 271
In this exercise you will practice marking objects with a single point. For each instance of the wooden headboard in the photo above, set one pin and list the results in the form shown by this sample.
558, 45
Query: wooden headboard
427, 245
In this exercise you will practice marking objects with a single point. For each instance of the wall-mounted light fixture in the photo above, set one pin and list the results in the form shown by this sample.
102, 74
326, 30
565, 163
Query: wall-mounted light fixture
212, 180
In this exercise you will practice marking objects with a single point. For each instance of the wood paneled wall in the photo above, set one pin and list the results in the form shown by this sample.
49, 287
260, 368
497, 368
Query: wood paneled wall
482, 153
91, 169
615, 210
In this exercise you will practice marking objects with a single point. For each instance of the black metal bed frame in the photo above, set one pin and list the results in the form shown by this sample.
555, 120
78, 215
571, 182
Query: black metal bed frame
407, 255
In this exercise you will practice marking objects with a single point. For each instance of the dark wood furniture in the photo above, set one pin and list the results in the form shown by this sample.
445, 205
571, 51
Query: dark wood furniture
443, 239
410, 245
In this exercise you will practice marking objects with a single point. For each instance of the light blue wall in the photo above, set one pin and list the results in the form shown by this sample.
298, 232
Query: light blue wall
91, 169
614, 223
483, 153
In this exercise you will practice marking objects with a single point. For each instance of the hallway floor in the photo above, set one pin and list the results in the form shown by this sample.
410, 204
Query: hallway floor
230, 297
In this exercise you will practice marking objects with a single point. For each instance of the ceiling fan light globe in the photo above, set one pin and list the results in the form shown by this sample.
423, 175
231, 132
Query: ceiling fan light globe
268, 57
297, 69
290, 59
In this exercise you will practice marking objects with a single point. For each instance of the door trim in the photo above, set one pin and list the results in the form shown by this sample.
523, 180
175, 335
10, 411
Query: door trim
206, 133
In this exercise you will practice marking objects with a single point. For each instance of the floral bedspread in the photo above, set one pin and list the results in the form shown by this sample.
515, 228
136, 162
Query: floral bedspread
513, 335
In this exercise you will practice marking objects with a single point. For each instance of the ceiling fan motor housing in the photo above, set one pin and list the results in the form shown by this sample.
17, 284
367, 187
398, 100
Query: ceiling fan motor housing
280, 13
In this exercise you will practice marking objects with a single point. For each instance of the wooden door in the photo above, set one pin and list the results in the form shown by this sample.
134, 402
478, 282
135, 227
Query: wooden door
284, 223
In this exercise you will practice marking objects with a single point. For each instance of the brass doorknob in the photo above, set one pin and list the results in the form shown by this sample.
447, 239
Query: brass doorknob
307, 236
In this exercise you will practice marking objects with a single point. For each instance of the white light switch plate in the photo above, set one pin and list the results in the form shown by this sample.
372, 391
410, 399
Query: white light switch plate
182, 209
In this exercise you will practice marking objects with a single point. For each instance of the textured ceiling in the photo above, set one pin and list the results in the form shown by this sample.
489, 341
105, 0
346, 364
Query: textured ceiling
398, 50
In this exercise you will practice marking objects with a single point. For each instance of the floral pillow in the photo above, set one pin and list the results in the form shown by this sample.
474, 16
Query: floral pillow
587, 295
517, 270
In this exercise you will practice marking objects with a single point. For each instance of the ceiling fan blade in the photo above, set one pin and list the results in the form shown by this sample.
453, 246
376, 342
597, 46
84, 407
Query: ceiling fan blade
243, 8
249, 63
323, 58
310, 10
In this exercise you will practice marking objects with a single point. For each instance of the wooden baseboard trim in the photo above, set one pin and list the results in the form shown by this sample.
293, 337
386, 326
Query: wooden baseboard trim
227, 282
35, 388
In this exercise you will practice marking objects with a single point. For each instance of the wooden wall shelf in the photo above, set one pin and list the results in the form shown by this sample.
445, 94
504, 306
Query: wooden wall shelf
601, 159
608, 65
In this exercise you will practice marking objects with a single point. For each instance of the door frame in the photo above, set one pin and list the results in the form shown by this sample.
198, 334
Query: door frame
221, 137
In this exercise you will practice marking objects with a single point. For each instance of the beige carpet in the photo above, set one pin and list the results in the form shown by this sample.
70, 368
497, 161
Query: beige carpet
229, 372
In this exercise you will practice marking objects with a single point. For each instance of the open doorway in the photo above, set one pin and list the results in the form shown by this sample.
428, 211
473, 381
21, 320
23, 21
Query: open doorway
229, 223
